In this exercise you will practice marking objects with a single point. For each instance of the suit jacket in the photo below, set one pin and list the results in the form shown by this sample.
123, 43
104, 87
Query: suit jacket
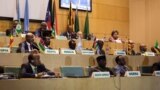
10, 32
27, 72
23, 47
70, 35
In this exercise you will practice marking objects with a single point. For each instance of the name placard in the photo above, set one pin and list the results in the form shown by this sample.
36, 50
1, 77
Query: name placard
157, 73
149, 54
120, 52
5, 50
132, 74
67, 51
61, 37
51, 51
87, 52
101, 75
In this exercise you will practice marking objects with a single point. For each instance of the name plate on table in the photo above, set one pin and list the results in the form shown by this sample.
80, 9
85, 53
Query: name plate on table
63, 51
87, 52
61, 37
120, 52
101, 75
5, 50
51, 51
149, 54
157, 73
132, 74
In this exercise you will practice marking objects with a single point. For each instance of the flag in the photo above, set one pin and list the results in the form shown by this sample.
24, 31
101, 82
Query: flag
70, 16
41, 45
156, 44
26, 17
18, 27
17, 17
11, 41
76, 25
49, 17
55, 22
86, 26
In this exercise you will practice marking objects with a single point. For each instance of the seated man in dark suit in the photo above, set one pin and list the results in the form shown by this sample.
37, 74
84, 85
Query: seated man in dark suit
121, 67
28, 45
99, 49
70, 34
34, 68
101, 60
39, 32
12, 31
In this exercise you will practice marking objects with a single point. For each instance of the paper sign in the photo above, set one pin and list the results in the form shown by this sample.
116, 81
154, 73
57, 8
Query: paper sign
51, 51
132, 74
67, 51
5, 50
157, 73
120, 52
101, 75
87, 52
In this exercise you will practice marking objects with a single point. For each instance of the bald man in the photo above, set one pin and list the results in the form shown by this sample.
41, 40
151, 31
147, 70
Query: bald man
28, 45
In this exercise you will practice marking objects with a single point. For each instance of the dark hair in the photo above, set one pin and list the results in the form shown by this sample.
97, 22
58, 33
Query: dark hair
99, 58
1, 69
117, 58
71, 45
114, 31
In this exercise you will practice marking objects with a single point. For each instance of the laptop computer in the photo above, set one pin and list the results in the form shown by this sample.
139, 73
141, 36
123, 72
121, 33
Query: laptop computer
70, 71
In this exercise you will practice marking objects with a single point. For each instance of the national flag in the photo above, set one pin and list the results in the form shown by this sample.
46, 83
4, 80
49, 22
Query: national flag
86, 26
55, 22
156, 44
49, 17
26, 17
17, 17
76, 25
11, 41
70, 16
41, 45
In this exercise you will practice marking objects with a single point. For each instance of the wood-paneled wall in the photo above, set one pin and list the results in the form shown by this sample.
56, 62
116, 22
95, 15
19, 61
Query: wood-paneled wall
144, 21
105, 16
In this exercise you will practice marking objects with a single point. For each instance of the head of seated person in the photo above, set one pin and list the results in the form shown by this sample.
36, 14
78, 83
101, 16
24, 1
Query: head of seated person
47, 41
115, 37
131, 50
72, 44
121, 67
29, 38
43, 26
143, 48
79, 35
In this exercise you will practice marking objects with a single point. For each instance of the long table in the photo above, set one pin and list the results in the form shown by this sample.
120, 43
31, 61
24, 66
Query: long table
56, 44
55, 61
116, 83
